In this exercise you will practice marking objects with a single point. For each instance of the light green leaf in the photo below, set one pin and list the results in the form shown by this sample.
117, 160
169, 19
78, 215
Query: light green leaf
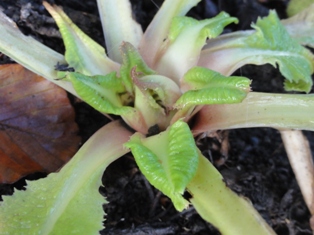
183, 155
186, 38
270, 43
82, 53
210, 87
67, 202
118, 26
169, 165
104, 93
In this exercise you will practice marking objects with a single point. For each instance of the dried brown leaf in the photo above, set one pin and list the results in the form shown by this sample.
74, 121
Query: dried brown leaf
38, 132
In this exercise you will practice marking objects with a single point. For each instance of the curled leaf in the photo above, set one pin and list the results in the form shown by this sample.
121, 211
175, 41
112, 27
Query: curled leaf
270, 43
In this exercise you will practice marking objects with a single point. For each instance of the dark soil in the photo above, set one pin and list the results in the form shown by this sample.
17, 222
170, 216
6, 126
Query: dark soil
256, 167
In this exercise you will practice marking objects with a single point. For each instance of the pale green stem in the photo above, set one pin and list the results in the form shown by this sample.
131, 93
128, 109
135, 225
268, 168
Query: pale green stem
158, 29
30, 53
118, 26
281, 111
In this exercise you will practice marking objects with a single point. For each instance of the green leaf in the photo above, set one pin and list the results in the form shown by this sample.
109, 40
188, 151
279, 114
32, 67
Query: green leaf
295, 62
104, 93
67, 202
169, 165
271, 44
209, 87
183, 155
82, 53
186, 38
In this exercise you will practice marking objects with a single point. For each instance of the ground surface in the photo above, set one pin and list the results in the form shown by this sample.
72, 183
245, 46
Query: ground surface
257, 166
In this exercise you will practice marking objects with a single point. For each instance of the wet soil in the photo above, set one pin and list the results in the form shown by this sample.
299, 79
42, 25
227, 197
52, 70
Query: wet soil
256, 166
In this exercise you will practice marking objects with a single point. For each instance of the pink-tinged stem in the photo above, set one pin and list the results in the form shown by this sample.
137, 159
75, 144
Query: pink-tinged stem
281, 111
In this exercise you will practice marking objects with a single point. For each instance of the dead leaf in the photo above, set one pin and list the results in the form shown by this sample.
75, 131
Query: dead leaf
38, 132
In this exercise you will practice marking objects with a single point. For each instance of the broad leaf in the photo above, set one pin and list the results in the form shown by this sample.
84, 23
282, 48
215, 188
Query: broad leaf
169, 165
38, 131
270, 43
67, 202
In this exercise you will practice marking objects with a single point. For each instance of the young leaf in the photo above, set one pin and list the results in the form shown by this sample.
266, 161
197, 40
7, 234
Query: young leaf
55, 205
82, 53
154, 98
132, 60
101, 92
270, 43
38, 131
191, 35
169, 165
210, 87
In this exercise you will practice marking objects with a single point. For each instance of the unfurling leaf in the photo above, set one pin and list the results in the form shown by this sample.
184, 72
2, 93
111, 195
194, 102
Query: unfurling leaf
170, 165
132, 61
38, 132
209, 87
